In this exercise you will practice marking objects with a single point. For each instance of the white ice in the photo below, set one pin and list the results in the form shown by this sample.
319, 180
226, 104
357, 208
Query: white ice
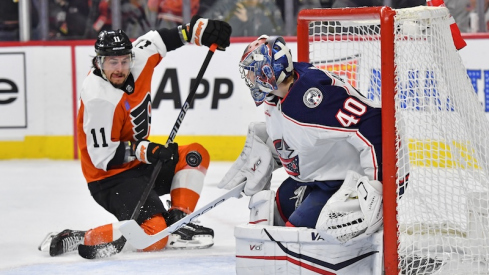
41, 196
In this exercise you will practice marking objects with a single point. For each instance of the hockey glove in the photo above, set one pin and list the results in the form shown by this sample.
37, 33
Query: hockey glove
206, 32
150, 152
255, 163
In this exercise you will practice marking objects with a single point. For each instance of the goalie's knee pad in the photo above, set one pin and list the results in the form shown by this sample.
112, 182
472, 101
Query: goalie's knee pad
262, 207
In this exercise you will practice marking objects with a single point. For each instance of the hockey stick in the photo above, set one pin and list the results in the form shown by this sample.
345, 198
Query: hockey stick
136, 236
114, 247
174, 130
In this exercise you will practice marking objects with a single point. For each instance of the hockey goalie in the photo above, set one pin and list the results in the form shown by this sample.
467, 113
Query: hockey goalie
326, 216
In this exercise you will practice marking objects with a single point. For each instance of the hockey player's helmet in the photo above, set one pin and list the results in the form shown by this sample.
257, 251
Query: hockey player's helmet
113, 44
110, 43
265, 63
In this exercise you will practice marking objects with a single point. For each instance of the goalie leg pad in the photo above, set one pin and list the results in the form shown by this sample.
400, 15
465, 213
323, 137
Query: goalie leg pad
272, 250
262, 207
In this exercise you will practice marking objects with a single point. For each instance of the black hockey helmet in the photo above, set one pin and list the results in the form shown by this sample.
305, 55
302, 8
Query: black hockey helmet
110, 43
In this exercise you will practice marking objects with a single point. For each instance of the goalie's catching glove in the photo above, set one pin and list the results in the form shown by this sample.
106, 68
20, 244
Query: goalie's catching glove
206, 32
354, 210
150, 152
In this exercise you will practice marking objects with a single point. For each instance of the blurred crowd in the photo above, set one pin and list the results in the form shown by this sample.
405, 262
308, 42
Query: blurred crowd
83, 19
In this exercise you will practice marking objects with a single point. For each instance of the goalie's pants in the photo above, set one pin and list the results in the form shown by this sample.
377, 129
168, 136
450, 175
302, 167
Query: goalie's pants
305, 213
121, 193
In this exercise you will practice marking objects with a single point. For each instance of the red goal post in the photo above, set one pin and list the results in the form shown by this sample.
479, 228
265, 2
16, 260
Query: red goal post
433, 130
388, 112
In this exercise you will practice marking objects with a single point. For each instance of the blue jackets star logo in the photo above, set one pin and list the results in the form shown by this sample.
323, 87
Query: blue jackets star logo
289, 160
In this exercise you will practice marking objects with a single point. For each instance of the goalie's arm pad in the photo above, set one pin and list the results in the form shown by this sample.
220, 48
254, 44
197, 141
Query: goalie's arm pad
254, 165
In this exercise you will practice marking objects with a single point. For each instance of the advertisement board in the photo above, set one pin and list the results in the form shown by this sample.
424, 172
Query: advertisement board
40, 86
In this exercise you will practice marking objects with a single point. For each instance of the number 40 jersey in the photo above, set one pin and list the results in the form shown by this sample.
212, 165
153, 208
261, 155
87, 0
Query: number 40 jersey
324, 127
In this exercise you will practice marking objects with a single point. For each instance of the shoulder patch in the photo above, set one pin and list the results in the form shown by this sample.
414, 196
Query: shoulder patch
312, 97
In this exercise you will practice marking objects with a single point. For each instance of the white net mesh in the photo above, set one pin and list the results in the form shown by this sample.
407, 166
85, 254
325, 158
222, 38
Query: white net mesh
442, 130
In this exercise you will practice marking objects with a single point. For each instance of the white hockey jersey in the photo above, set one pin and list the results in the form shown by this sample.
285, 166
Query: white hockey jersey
324, 127
108, 116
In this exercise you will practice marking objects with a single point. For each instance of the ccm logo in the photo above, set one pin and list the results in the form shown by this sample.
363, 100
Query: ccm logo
255, 247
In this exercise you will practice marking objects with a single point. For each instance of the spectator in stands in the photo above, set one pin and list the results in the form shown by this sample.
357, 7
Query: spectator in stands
473, 8
460, 10
9, 20
298, 5
169, 13
399, 4
326, 3
134, 20
248, 17
68, 18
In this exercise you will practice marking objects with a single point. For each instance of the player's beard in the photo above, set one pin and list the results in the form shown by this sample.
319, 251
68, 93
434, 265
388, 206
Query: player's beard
119, 81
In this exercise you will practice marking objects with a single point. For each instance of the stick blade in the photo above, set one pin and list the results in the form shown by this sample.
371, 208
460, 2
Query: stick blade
104, 250
135, 235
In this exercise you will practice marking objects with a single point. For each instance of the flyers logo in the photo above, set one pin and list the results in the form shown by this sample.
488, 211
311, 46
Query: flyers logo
141, 118
198, 32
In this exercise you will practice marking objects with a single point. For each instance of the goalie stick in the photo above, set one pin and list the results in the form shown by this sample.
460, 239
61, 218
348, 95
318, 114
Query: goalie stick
114, 247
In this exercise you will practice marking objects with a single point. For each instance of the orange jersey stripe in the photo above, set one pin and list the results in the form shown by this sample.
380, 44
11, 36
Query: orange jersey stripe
108, 116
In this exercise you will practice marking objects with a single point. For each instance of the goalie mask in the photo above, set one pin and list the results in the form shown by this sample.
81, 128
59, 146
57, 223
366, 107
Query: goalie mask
265, 63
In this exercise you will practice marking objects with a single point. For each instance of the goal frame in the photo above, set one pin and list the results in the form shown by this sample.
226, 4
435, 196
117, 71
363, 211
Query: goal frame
386, 17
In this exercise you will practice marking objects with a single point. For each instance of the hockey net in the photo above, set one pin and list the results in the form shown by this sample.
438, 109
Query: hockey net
434, 130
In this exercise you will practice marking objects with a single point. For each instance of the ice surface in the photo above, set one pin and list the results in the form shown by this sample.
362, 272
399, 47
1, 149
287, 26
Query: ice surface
40, 196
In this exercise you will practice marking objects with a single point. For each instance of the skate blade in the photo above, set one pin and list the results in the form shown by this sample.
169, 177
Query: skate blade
46, 242
197, 242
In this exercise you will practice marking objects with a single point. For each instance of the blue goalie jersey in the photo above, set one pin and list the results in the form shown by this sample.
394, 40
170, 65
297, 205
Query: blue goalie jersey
324, 127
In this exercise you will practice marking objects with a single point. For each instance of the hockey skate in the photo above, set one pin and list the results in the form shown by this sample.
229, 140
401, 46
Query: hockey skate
46, 242
189, 236
63, 242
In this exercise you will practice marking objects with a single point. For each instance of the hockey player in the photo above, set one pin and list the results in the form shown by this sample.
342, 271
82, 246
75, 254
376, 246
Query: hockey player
323, 132
117, 159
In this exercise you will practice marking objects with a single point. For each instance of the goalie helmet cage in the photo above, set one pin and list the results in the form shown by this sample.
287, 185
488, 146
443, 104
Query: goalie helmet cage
435, 133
